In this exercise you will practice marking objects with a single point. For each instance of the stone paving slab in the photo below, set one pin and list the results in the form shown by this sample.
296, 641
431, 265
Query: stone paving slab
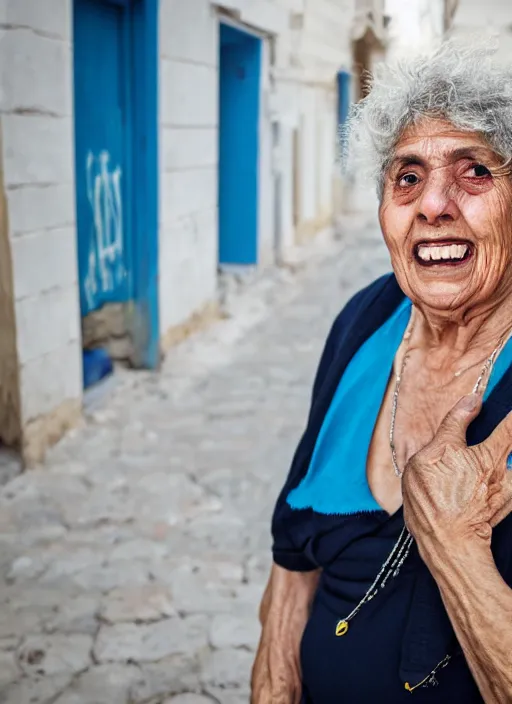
132, 564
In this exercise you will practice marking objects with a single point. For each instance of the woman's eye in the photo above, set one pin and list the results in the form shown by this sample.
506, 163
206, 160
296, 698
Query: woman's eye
408, 180
480, 171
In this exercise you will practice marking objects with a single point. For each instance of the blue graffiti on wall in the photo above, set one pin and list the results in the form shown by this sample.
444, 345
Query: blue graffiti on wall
106, 270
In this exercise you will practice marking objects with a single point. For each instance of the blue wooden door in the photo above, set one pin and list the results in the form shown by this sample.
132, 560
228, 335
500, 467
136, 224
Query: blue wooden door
240, 61
102, 65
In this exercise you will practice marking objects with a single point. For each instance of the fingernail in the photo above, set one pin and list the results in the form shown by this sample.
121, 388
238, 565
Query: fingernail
469, 403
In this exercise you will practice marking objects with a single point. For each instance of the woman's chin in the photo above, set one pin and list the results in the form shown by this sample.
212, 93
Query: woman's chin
442, 287
442, 295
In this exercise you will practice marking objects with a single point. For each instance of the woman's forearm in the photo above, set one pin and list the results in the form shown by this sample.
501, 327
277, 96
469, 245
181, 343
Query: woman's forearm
284, 612
479, 604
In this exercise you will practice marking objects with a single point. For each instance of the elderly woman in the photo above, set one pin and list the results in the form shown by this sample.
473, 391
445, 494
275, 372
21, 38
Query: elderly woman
392, 535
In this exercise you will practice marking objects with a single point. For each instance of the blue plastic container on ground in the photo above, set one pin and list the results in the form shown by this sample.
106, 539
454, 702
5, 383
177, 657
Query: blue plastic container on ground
96, 366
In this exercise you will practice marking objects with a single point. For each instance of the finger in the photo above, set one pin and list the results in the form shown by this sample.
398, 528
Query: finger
499, 442
453, 427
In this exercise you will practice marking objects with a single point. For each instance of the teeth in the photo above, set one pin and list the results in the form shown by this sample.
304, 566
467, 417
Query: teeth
448, 252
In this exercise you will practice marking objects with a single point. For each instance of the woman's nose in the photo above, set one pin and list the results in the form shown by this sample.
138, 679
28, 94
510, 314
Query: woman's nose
436, 204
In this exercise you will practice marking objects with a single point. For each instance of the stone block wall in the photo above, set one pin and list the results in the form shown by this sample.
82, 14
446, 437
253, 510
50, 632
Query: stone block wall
481, 21
415, 26
324, 47
38, 171
188, 160
304, 45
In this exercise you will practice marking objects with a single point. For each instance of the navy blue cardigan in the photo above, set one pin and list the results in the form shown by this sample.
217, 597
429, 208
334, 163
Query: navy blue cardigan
429, 635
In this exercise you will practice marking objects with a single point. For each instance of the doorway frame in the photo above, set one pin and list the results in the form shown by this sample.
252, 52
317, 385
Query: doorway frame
142, 158
264, 209
146, 324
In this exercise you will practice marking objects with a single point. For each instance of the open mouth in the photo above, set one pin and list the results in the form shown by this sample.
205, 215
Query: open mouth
446, 253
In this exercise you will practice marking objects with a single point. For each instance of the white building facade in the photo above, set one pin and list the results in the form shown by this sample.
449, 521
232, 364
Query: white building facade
481, 21
121, 239
415, 26
390, 30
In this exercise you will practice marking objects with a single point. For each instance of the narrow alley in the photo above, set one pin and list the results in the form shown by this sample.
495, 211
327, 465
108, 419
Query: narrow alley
133, 562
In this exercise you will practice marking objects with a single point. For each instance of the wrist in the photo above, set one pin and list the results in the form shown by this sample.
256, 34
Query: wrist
451, 555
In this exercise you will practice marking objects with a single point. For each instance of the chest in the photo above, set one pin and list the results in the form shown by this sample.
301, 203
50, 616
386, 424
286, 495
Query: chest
423, 402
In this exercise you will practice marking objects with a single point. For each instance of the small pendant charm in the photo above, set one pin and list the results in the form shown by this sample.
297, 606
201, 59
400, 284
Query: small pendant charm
341, 628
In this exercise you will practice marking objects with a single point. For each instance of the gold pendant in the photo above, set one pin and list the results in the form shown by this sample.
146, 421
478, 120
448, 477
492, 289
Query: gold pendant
341, 628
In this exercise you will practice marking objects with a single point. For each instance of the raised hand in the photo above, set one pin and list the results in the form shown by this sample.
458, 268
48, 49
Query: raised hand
455, 492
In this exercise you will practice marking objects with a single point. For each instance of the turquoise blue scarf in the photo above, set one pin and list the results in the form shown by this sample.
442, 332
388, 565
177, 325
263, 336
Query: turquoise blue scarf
336, 480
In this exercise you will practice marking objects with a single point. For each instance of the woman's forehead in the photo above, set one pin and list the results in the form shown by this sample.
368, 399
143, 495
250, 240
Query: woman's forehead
438, 142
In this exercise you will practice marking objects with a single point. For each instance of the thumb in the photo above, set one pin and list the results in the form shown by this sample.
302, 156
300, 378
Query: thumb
454, 425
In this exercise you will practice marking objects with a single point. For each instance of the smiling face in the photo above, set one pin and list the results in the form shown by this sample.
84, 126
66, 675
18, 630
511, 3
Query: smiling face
446, 216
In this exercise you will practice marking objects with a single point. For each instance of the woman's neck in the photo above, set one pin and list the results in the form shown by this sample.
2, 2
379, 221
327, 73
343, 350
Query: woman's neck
465, 335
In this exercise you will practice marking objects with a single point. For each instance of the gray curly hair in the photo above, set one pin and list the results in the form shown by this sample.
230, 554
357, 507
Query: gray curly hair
458, 83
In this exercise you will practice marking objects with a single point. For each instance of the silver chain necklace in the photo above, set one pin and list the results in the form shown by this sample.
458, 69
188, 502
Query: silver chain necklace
484, 374
399, 553
389, 569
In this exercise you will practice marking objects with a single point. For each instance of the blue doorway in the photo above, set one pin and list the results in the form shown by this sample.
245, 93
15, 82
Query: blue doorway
344, 90
239, 117
115, 103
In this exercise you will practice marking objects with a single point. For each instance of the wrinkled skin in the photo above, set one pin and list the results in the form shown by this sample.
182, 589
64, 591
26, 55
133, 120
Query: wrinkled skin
453, 496
284, 611
451, 489
441, 183
433, 189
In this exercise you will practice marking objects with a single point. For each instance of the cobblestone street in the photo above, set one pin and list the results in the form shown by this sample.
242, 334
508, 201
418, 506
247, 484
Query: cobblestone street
134, 560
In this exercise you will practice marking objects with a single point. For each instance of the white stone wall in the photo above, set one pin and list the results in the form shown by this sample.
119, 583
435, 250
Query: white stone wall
189, 82
188, 159
415, 26
326, 45
310, 42
37, 133
418, 24
304, 45
325, 48
476, 20
317, 44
